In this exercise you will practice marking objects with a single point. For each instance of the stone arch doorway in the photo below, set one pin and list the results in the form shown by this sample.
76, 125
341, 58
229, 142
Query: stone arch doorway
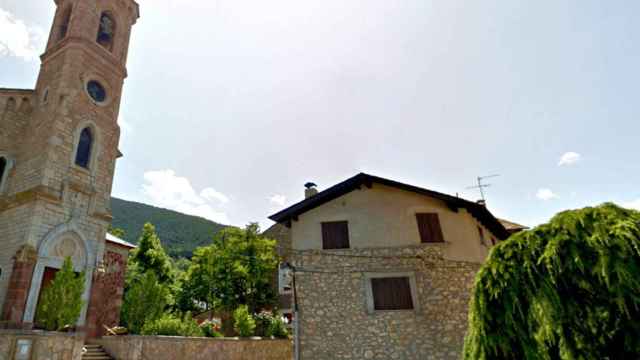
64, 241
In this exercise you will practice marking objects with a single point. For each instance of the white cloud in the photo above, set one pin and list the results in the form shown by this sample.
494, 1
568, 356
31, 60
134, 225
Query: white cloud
18, 39
164, 189
633, 204
212, 195
545, 194
569, 158
278, 199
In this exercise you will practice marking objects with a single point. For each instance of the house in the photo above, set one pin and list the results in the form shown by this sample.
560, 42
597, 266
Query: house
58, 151
383, 270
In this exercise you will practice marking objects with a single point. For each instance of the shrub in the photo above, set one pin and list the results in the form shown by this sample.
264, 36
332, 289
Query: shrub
270, 325
211, 329
61, 301
171, 325
243, 322
144, 302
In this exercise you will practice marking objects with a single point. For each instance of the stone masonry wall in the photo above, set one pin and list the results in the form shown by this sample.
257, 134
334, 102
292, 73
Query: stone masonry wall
336, 324
45, 345
171, 348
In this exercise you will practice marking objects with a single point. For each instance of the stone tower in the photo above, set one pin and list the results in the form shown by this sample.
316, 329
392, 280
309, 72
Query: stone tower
58, 148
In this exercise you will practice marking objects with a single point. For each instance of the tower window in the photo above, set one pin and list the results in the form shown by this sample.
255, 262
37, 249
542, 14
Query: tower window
3, 169
83, 154
96, 91
106, 31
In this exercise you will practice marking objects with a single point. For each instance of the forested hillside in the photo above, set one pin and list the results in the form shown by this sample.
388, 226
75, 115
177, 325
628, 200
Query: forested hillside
180, 234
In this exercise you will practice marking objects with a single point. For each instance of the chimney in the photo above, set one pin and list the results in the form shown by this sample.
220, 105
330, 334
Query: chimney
482, 202
310, 190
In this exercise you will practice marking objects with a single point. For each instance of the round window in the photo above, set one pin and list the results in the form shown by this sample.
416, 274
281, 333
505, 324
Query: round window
96, 91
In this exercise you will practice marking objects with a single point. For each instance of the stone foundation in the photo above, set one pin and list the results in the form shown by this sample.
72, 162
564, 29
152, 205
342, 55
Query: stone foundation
336, 323
171, 348
44, 345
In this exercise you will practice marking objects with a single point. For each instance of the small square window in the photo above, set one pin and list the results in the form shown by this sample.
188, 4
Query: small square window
391, 292
335, 235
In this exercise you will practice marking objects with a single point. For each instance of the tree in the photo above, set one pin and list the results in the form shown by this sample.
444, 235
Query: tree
144, 301
117, 232
569, 289
61, 301
150, 256
236, 269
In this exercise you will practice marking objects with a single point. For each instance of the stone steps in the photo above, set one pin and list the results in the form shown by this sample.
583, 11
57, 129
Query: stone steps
94, 352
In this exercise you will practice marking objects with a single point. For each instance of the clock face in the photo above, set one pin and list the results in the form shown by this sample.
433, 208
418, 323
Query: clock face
96, 91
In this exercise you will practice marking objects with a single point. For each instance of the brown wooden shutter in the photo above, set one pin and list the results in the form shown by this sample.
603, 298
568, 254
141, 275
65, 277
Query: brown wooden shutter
481, 234
393, 293
429, 227
335, 235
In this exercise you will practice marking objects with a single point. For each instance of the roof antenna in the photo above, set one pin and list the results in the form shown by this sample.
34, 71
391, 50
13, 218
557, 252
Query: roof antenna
481, 186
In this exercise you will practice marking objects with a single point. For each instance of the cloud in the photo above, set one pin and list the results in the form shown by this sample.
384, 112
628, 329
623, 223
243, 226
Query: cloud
545, 194
569, 158
278, 199
164, 189
633, 204
212, 195
17, 39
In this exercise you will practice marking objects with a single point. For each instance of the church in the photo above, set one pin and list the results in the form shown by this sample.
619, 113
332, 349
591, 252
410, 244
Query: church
58, 151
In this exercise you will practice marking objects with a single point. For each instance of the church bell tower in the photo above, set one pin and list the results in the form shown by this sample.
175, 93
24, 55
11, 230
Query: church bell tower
57, 198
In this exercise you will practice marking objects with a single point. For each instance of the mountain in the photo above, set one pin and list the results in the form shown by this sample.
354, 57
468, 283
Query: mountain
179, 233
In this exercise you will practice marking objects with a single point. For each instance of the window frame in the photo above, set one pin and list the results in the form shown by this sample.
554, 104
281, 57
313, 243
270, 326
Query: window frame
370, 302
348, 234
95, 149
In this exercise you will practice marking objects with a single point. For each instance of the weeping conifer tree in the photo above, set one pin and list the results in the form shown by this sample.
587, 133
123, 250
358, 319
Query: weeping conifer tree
569, 289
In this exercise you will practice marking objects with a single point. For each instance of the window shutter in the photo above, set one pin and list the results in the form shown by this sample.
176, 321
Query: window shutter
335, 235
481, 234
392, 293
429, 228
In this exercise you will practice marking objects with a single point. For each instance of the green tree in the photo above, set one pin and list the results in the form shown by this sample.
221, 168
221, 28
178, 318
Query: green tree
61, 301
236, 269
569, 289
117, 232
150, 256
144, 301
243, 322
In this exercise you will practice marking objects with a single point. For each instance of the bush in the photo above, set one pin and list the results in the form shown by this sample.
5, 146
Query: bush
61, 301
243, 322
171, 325
144, 302
270, 325
211, 329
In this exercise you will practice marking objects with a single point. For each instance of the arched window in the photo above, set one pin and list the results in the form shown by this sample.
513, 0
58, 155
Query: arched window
106, 31
83, 154
3, 168
64, 24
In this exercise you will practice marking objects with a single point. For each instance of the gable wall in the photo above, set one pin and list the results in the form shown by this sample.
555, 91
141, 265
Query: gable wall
385, 217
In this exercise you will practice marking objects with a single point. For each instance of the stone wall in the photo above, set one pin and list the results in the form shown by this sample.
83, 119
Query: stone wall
45, 345
337, 324
171, 348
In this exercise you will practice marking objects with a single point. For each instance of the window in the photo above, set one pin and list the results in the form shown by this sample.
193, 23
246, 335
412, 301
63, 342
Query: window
96, 91
391, 293
429, 228
481, 235
106, 30
3, 168
335, 235
493, 241
83, 154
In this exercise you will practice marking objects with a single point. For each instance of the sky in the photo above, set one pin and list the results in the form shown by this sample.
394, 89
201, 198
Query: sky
232, 105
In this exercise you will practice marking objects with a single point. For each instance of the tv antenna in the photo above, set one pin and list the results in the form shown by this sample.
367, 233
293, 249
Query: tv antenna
481, 186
